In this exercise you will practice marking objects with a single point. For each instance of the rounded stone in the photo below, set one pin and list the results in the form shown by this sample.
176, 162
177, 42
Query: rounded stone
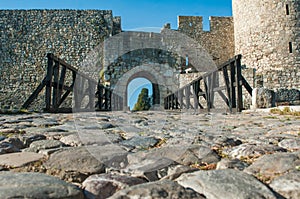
36, 185
44, 144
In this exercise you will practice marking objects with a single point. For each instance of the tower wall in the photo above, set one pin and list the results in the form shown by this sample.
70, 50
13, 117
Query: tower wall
267, 34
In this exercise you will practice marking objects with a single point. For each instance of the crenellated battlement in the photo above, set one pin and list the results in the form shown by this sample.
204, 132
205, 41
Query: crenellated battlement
218, 41
193, 23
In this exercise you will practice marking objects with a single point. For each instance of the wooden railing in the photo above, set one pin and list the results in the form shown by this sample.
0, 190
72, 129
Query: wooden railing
188, 97
82, 86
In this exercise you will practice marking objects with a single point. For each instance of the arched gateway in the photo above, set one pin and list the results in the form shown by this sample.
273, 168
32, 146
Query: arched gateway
158, 57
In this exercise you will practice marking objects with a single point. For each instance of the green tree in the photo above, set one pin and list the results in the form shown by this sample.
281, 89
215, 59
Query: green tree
143, 102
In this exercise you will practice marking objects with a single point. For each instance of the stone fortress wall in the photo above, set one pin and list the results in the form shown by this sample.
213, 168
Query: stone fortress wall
26, 36
267, 34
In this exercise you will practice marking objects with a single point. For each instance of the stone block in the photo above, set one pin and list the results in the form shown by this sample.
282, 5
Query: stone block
263, 98
287, 95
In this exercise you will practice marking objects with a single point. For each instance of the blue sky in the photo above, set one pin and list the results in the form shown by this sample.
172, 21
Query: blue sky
134, 89
135, 13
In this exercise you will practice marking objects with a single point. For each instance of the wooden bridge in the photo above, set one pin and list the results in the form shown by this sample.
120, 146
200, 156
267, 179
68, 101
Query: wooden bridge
207, 85
63, 79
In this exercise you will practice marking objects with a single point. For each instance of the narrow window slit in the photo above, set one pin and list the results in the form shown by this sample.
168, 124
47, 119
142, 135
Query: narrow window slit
291, 47
287, 9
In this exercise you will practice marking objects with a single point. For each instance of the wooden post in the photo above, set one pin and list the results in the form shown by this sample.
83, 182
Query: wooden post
55, 97
176, 98
239, 83
49, 81
213, 79
207, 92
196, 94
106, 102
172, 101
232, 84
166, 102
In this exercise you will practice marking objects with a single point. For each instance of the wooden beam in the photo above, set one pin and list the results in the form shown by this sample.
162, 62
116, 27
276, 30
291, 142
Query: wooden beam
55, 97
49, 81
247, 86
207, 94
224, 97
227, 89
34, 95
232, 87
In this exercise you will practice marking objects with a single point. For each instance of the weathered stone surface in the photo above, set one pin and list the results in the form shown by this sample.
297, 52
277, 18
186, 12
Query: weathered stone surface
274, 164
199, 154
44, 144
114, 137
71, 140
15, 142
19, 159
218, 141
265, 98
104, 185
28, 139
151, 169
287, 95
161, 189
6, 147
290, 144
185, 155
46, 122
225, 184
252, 150
174, 171
2, 138
231, 164
74, 164
36, 185
106, 126
111, 155
93, 137
287, 185
140, 142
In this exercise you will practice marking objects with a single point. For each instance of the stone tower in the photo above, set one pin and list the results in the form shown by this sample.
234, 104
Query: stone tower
267, 34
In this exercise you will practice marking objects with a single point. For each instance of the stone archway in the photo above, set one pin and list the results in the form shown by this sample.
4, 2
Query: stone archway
163, 83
